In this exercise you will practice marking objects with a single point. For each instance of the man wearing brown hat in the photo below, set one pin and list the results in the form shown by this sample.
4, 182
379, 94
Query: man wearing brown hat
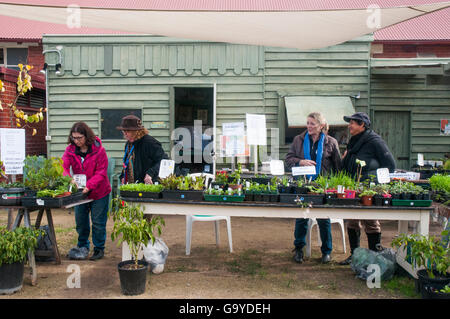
367, 146
143, 153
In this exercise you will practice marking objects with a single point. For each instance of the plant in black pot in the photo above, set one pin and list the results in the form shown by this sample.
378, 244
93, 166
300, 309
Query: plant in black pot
429, 252
14, 247
136, 231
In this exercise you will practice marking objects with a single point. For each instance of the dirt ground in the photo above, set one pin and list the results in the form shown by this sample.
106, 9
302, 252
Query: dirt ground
261, 265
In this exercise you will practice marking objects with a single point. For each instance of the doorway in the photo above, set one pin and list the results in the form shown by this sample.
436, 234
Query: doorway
194, 111
394, 127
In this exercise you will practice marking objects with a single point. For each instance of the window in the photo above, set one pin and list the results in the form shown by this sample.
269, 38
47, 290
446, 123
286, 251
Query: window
110, 119
11, 57
34, 98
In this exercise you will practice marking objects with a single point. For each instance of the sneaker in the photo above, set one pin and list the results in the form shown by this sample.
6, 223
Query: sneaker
298, 257
326, 258
78, 253
98, 254
347, 261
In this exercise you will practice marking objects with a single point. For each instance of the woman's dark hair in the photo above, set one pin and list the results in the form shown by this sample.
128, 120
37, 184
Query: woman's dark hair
84, 129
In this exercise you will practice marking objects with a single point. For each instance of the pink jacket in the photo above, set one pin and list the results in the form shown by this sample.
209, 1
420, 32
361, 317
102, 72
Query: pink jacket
95, 167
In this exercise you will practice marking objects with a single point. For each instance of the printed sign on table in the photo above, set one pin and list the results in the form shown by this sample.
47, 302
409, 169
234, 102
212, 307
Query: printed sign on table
166, 168
276, 167
303, 170
12, 142
256, 129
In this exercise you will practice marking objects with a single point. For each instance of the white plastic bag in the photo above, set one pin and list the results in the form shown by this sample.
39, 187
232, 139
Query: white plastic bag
156, 255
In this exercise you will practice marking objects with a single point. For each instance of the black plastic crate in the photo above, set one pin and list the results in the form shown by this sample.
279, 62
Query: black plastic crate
134, 194
182, 195
305, 198
11, 196
50, 202
343, 201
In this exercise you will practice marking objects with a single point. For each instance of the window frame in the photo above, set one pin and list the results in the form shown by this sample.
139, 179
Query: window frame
140, 109
13, 45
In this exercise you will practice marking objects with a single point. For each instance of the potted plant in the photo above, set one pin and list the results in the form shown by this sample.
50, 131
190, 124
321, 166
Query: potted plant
367, 197
136, 231
183, 188
14, 247
236, 178
432, 254
221, 179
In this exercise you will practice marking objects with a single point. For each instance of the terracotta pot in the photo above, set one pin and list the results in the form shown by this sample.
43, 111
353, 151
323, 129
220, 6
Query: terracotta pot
341, 195
350, 194
235, 186
366, 200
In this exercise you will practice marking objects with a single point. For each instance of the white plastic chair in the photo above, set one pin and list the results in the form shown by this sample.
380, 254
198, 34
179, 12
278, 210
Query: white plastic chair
190, 219
311, 223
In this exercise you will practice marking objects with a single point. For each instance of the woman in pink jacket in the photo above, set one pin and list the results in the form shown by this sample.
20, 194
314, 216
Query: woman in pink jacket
87, 158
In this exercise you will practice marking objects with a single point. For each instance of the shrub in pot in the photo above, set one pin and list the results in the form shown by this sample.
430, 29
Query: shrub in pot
136, 231
431, 253
367, 197
14, 247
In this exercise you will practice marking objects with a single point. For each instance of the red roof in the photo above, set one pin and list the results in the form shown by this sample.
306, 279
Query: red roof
433, 26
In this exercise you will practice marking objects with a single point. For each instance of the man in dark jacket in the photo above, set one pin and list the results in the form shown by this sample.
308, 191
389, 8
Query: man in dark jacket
364, 145
143, 153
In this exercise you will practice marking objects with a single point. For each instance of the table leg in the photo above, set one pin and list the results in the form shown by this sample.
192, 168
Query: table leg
18, 219
39, 218
31, 258
52, 236
10, 218
424, 224
402, 227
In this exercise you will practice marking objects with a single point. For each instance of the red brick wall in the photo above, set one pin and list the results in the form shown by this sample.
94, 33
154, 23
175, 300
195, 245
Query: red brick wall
35, 145
413, 50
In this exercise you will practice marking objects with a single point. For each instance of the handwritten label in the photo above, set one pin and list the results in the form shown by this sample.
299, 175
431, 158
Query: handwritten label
166, 168
276, 167
383, 175
303, 170
80, 180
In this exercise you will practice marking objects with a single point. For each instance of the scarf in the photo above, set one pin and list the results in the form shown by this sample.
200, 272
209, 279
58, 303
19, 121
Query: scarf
128, 165
306, 153
353, 147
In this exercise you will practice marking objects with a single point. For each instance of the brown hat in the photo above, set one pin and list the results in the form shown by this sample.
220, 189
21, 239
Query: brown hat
130, 123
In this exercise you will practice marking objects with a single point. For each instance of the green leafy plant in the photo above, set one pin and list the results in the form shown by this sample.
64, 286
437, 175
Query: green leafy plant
141, 187
236, 175
221, 177
170, 182
368, 192
427, 251
12, 185
129, 222
445, 290
15, 244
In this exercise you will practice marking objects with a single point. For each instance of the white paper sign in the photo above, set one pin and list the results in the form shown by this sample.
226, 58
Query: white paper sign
303, 170
12, 149
411, 176
233, 129
276, 167
80, 180
383, 175
420, 159
166, 168
256, 129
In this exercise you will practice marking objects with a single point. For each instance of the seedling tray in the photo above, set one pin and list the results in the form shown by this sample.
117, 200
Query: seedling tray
50, 202
224, 198
411, 203
182, 195
343, 201
134, 194
293, 199
11, 196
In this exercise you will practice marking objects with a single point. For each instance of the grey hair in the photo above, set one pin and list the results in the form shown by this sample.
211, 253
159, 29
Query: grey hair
320, 119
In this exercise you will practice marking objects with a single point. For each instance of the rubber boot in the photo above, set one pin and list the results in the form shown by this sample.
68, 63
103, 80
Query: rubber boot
353, 238
374, 241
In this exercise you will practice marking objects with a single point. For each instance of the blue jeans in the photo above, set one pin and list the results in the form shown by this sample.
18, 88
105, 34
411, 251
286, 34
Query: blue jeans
301, 228
99, 215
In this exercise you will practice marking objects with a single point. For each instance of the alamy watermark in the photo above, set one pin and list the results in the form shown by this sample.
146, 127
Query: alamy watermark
73, 20
74, 279
374, 279
373, 21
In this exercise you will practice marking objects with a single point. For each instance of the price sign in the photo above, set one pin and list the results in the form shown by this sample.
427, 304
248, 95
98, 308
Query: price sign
276, 167
383, 175
420, 159
303, 170
80, 180
166, 168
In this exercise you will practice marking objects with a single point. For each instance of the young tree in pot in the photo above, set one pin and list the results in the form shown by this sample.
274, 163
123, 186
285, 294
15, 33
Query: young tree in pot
14, 247
136, 231
429, 252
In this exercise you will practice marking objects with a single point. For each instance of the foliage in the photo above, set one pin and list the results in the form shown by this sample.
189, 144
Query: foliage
340, 178
172, 182
12, 185
47, 174
368, 192
141, 187
427, 251
440, 182
62, 190
360, 164
445, 290
23, 86
236, 175
221, 177
14, 245
129, 222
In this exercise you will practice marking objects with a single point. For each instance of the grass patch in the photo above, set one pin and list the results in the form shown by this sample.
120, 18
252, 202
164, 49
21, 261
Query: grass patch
59, 230
402, 285
248, 263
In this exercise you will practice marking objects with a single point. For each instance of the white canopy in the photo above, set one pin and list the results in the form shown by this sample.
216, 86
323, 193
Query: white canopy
299, 29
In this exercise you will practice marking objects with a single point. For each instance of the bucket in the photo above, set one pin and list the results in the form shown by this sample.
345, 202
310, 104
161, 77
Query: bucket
11, 278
